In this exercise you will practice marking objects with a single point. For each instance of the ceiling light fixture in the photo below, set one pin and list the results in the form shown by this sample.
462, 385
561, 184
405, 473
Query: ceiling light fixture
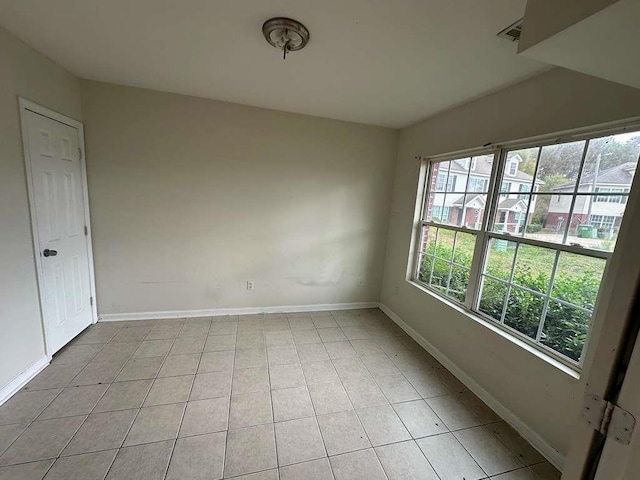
285, 34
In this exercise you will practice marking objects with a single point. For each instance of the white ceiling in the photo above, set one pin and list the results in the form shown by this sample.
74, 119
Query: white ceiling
380, 62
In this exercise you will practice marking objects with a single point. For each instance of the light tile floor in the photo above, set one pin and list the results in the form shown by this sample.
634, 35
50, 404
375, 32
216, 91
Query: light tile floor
322, 395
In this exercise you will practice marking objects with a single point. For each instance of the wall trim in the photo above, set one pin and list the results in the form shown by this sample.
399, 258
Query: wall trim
555, 457
23, 378
216, 312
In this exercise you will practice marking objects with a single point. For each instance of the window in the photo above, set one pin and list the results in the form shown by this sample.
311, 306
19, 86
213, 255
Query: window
513, 168
478, 184
442, 180
530, 265
602, 221
609, 198
523, 187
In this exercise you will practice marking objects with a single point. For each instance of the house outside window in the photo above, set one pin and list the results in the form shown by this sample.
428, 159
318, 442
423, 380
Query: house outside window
533, 259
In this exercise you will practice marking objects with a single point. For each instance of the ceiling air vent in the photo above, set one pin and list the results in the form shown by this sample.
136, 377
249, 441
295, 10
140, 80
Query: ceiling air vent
512, 32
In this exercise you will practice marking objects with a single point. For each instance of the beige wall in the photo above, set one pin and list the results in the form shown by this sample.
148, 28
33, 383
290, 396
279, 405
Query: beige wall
26, 73
191, 198
545, 18
542, 396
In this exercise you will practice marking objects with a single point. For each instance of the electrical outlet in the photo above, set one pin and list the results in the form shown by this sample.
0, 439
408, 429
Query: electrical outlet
362, 282
396, 290
250, 285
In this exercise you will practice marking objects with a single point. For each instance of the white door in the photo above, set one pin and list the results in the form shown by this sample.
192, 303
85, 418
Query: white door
57, 193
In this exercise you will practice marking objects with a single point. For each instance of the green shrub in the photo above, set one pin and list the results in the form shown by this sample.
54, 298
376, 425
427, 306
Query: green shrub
565, 329
534, 227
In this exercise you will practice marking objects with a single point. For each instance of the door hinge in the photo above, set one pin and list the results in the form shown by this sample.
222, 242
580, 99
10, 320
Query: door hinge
86, 231
91, 301
608, 419
80, 153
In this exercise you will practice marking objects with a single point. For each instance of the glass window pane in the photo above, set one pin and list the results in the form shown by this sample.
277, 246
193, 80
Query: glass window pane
458, 283
500, 258
565, 329
468, 210
559, 167
577, 279
596, 220
434, 206
444, 246
458, 174
546, 219
440, 172
533, 267
524, 311
426, 266
440, 275
492, 298
518, 171
463, 253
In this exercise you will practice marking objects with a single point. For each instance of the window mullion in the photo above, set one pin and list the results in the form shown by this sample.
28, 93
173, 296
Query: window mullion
475, 271
575, 196
533, 183
510, 284
545, 308
480, 251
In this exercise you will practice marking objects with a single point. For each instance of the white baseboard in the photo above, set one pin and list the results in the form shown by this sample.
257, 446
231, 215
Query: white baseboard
550, 453
116, 317
7, 391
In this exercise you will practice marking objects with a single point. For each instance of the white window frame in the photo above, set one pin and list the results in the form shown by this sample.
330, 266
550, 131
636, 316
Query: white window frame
483, 235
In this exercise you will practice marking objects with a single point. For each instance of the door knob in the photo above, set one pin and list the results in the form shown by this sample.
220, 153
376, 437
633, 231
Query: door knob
49, 253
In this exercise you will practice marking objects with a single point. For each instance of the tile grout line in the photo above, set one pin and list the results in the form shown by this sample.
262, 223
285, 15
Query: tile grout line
226, 436
186, 403
124, 438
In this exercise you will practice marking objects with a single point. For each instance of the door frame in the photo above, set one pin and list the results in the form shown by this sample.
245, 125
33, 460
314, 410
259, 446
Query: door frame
29, 106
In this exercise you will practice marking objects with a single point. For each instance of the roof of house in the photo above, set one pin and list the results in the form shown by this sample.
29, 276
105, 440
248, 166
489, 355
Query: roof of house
484, 165
619, 175
509, 203
470, 198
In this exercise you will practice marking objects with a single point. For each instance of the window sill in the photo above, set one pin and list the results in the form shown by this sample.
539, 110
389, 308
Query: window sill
573, 372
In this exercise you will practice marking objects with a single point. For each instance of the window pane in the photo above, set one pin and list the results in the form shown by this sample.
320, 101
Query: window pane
565, 329
492, 297
577, 279
533, 267
595, 221
444, 246
524, 311
546, 219
559, 167
500, 258
468, 210
465, 244
518, 171
440, 274
458, 283
440, 172
426, 265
